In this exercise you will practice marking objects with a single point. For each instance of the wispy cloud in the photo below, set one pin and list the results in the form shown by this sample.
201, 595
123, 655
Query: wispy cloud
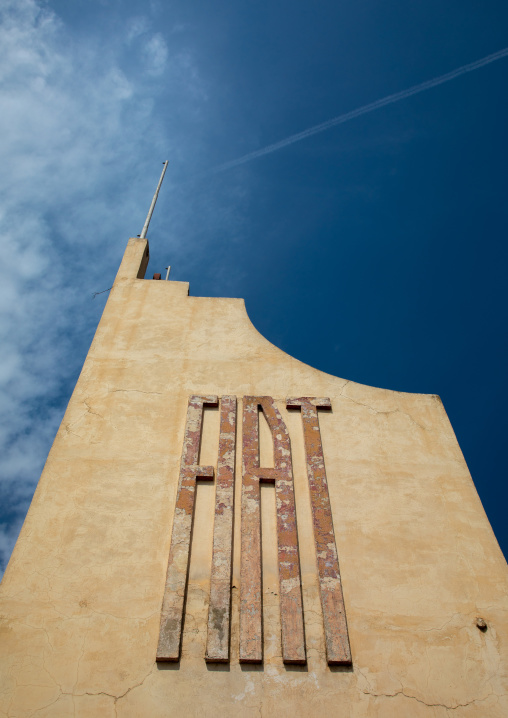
77, 128
156, 55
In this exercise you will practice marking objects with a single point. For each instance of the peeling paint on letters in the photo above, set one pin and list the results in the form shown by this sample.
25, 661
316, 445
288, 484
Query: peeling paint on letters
290, 589
170, 636
219, 613
338, 651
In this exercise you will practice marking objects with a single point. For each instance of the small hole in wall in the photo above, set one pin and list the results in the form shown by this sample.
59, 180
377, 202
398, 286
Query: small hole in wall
481, 624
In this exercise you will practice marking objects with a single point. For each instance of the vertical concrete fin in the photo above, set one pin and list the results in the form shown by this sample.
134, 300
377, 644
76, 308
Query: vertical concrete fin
134, 261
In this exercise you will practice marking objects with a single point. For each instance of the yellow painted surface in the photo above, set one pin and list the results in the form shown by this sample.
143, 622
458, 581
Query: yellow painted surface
80, 600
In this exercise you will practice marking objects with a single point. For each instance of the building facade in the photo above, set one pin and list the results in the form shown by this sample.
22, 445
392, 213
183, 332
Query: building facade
181, 554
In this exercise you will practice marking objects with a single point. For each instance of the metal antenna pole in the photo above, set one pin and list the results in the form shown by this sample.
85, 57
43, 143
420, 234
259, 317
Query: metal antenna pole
154, 200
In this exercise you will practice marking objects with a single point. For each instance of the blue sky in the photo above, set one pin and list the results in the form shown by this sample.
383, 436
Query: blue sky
383, 238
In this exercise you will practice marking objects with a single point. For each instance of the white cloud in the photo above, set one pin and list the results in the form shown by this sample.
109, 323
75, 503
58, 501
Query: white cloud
136, 27
156, 54
77, 131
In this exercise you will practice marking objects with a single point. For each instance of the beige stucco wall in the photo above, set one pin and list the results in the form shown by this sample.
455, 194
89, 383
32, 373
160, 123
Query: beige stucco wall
81, 597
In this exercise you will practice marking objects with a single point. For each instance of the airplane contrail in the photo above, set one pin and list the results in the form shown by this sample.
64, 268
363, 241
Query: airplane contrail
340, 119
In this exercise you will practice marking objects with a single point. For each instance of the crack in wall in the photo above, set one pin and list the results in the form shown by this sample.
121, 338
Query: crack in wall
402, 692
74, 694
377, 411
90, 410
134, 391
432, 705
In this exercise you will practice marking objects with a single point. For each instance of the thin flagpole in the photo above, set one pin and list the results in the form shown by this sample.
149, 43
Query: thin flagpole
154, 200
